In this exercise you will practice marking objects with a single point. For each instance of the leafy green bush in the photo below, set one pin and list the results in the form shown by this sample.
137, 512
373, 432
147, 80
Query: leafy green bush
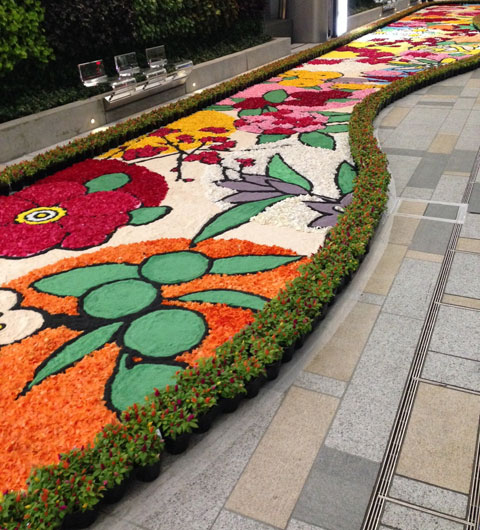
88, 30
175, 21
21, 35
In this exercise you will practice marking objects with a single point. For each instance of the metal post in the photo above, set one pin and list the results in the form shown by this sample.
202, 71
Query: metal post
282, 9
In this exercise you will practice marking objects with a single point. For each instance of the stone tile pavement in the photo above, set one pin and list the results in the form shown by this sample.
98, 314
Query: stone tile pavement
375, 422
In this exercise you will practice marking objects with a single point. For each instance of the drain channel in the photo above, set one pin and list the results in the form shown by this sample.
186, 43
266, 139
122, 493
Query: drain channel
387, 469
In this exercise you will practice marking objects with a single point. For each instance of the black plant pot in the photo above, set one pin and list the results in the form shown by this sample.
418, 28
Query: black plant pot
114, 494
177, 445
288, 353
205, 420
300, 341
253, 386
273, 370
229, 405
76, 520
149, 472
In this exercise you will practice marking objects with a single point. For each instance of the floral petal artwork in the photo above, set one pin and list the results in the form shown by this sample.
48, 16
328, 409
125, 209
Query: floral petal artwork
119, 272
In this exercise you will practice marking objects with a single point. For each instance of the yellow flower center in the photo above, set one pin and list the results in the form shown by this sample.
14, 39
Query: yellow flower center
41, 215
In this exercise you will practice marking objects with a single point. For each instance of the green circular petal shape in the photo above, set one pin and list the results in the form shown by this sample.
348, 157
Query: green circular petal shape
175, 267
109, 182
165, 332
118, 299
132, 385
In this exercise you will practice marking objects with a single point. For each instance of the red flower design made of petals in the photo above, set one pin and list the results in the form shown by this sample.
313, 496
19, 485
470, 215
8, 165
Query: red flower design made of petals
61, 210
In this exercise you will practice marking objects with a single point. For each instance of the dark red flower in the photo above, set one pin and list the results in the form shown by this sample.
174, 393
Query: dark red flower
61, 210
252, 103
185, 139
163, 131
215, 130
206, 157
314, 98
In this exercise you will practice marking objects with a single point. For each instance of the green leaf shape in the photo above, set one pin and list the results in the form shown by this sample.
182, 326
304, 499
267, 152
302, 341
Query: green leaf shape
336, 128
118, 299
226, 296
130, 386
342, 100
277, 168
237, 100
165, 332
175, 267
236, 216
339, 117
270, 109
108, 182
75, 351
249, 112
220, 107
275, 96
269, 138
143, 216
318, 139
78, 281
249, 264
346, 176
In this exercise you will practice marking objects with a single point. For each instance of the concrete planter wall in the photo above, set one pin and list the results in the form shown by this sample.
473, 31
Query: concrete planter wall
365, 17
32, 133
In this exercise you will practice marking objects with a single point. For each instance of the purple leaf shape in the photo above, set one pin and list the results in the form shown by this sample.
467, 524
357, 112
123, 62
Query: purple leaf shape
240, 185
249, 196
262, 180
286, 187
329, 210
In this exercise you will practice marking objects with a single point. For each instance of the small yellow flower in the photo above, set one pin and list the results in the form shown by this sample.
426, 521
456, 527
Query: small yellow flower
307, 78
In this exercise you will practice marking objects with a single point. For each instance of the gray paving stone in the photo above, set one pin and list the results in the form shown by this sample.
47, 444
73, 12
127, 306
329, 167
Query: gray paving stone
444, 211
398, 151
428, 496
452, 370
468, 139
320, 383
107, 522
370, 298
402, 167
457, 332
464, 103
432, 236
471, 227
429, 170
464, 275
412, 288
476, 74
455, 121
363, 421
191, 492
429, 103
461, 160
444, 90
411, 192
450, 188
335, 477
300, 525
474, 202
403, 518
228, 520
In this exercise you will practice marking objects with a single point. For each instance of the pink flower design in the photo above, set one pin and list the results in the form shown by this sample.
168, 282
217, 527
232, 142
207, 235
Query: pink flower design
61, 210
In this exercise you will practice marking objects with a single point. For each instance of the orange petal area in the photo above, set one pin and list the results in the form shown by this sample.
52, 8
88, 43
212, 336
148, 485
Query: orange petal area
263, 283
65, 411
223, 320
133, 253
68, 409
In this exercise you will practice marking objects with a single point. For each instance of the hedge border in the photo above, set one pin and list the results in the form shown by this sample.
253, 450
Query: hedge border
301, 304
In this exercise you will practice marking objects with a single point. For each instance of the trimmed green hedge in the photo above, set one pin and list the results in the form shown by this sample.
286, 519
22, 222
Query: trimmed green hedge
21, 33
78, 480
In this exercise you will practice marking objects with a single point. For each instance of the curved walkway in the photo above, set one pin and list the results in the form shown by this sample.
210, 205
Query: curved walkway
306, 453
